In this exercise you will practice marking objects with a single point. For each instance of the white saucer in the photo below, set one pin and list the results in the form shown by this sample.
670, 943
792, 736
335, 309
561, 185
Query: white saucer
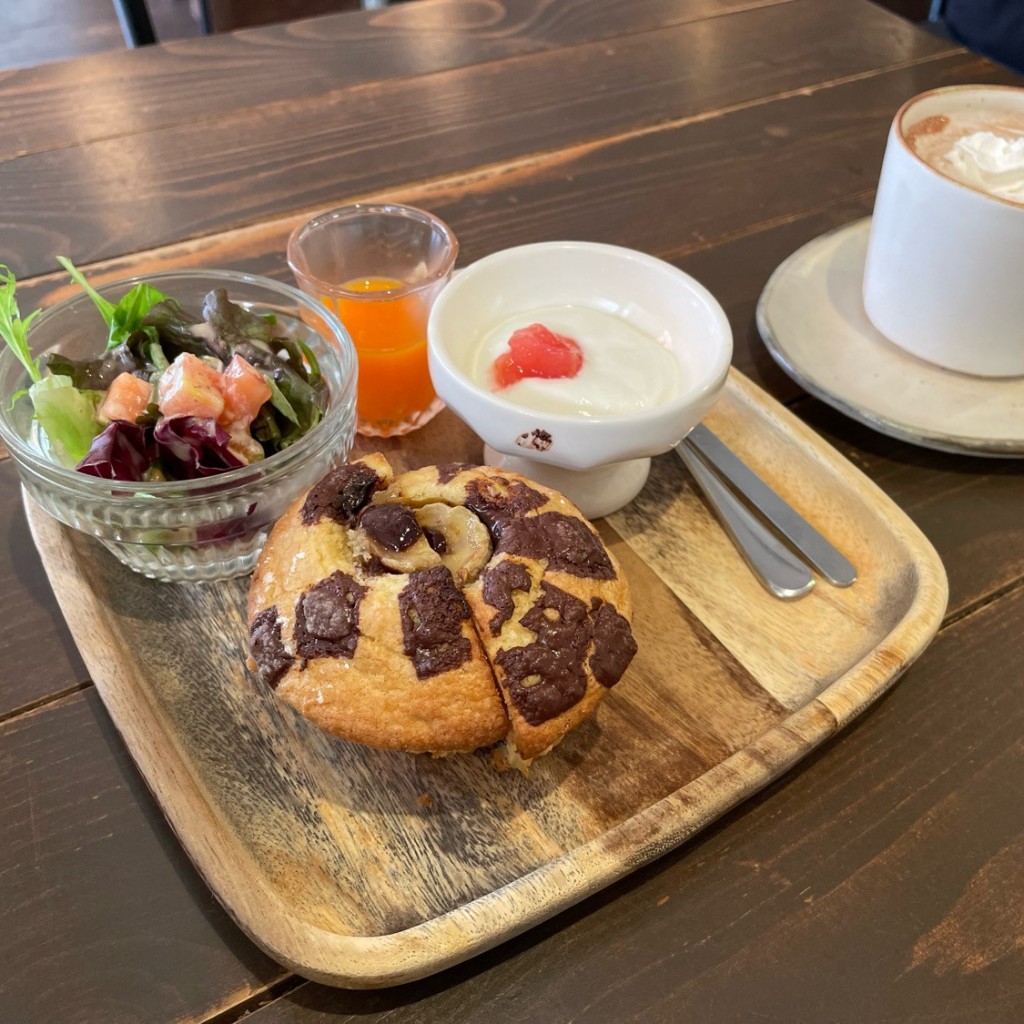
811, 317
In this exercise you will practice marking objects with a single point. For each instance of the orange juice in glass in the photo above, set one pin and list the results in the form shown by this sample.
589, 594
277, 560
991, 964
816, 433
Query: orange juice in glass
380, 269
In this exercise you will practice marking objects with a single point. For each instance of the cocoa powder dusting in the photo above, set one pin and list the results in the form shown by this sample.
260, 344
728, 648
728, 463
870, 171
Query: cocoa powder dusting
927, 126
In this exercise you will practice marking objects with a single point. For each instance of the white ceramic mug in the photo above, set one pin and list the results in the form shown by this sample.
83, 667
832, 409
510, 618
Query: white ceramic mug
944, 277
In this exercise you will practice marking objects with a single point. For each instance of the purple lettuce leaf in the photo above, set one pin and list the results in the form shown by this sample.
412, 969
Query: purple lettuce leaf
229, 530
121, 451
189, 447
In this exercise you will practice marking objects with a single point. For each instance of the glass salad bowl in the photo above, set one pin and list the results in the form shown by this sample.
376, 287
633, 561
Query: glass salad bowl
211, 527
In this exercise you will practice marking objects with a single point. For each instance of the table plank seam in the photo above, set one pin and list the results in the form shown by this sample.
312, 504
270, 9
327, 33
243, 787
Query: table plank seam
107, 269
983, 602
541, 159
42, 702
256, 1000
412, 191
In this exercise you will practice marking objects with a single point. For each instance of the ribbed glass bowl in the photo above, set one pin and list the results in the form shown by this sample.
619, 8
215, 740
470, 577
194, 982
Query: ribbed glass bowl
206, 529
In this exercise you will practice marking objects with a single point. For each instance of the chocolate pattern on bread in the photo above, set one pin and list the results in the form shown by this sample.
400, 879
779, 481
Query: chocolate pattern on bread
327, 618
499, 584
567, 544
272, 660
546, 678
392, 526
614, 645
341, 494
498, 500
384, 611
432, 613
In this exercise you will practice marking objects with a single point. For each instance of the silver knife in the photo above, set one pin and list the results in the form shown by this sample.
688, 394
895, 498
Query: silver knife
827, 559
771, 561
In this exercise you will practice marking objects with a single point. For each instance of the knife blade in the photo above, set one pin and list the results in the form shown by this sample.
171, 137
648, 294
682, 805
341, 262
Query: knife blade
823, 555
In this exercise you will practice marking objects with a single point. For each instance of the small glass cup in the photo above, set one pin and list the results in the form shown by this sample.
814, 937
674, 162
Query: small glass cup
380, 269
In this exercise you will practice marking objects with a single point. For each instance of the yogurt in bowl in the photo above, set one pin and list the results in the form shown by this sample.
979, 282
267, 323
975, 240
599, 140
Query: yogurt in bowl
656, 349
623, 368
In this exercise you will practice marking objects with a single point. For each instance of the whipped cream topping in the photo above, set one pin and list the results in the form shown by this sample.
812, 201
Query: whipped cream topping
990, 162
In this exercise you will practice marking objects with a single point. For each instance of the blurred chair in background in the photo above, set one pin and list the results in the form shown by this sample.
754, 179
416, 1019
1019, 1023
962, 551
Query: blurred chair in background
227, 15
136, 24
912, 10
136, 19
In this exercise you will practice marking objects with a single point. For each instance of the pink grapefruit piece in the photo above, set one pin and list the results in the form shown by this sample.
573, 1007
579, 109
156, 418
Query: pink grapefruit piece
543, 353
537, 351
506, 371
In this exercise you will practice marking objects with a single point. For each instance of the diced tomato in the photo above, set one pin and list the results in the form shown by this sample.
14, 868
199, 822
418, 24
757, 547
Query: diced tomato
126, 399
190, 387
537, 351
245, 391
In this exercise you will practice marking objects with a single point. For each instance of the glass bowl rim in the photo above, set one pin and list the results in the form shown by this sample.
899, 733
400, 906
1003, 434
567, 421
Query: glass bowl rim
208, 486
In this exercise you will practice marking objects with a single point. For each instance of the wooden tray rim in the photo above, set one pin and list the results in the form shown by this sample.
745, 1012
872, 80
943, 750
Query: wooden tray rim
485, 922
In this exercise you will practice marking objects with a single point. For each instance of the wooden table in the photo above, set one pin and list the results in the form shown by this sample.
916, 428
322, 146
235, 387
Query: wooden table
883, 879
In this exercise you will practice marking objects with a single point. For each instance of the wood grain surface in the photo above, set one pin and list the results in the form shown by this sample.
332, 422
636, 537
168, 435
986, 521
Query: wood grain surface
86, 850
309, 58
365, 868
876, 882
39, 653
321, 149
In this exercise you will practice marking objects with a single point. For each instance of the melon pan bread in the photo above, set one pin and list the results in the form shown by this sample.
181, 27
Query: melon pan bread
443, 610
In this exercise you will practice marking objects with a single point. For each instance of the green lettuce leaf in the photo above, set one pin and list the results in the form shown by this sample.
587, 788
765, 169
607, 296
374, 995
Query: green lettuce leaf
13, 329
279, 402
67, 417
131, 311
125, 318
304, 401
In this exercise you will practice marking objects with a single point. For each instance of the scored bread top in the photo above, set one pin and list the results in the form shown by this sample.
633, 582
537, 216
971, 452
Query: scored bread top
440, 610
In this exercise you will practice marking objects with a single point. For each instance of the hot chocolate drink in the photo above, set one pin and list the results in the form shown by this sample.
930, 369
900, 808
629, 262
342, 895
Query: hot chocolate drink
942, 273
981, 148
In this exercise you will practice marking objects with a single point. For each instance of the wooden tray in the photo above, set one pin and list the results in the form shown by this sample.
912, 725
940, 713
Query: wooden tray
365, 868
